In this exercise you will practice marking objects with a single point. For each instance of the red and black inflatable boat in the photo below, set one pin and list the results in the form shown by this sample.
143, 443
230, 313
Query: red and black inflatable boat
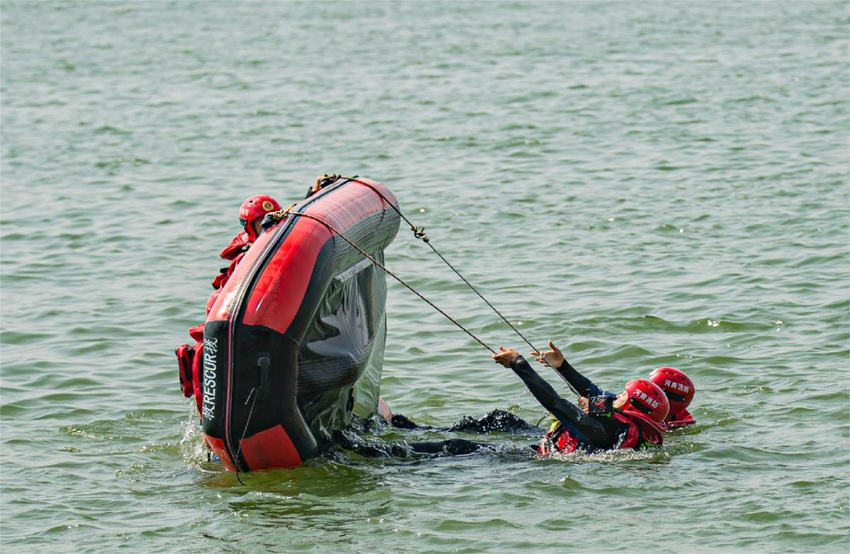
294, 345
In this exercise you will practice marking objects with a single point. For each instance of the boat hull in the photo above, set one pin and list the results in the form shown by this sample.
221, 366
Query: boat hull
293, 347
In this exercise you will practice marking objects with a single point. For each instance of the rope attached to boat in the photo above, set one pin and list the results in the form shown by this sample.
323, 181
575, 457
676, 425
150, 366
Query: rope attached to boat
281, 213
419, 233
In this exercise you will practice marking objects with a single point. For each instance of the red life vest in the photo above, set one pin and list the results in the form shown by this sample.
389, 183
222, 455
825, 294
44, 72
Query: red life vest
185, 353
642, 432
679, 419
189, 357
238, 245
234, 252
189, 362
557, 439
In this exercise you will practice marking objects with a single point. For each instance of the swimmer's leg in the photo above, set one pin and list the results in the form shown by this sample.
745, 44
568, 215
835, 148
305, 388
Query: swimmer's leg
452, 447
401, 421
497, 420
350, 442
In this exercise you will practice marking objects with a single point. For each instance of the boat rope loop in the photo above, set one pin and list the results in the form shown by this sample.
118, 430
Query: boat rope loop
277, 215
391, 274
419, 233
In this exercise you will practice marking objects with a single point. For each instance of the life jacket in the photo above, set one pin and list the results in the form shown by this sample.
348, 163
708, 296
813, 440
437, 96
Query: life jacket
189, 358
211, 300
234, 252
641, 432
679, 419
238, 245
189, 364
558, 439
185, 353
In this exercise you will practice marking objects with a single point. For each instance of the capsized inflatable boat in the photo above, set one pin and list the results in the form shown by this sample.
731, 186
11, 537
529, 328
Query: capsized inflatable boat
294, 345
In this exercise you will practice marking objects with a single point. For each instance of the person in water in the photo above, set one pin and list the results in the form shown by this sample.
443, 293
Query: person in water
251, 214
680, 392
632, 419
677, 386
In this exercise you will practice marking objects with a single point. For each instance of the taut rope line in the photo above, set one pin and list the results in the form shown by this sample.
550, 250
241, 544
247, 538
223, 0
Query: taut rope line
419, 233
331, 228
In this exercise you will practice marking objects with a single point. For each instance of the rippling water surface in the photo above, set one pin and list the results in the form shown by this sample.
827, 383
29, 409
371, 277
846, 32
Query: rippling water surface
646, 184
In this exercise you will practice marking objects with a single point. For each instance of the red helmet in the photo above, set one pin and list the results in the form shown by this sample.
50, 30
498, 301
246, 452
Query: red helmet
254, 207
647, 398
676, 385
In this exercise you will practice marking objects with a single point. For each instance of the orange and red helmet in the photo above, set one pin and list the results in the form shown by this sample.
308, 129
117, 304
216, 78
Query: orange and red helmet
676, 385
255, 207
647, 398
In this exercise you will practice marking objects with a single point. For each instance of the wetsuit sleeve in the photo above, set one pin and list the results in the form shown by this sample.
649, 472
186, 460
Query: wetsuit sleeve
564, 410
579, 382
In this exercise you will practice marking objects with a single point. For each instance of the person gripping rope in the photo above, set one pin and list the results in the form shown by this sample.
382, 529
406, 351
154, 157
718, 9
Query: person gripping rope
677, 386
633, 419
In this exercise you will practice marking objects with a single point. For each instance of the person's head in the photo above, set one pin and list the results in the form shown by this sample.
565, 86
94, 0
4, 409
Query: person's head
676, 385
252, 211
644, 397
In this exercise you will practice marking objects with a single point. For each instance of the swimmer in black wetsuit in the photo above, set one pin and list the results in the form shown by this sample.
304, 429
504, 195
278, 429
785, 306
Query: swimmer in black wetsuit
632, 419
583, 386
600, 421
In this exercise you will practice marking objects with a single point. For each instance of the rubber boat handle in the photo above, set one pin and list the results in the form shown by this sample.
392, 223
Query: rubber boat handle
264, 363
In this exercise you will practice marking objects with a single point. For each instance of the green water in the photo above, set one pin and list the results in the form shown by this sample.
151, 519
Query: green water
647, 184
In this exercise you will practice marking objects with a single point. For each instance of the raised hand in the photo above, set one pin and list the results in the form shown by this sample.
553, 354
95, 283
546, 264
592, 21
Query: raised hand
506, 356
552, 358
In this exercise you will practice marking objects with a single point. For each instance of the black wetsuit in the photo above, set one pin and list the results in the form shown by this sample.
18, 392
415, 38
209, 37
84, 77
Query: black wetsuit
452, 447
497, 420
582, 385
595, 430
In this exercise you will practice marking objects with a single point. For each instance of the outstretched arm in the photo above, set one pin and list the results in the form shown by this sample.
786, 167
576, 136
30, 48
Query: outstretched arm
554, 358
564, 410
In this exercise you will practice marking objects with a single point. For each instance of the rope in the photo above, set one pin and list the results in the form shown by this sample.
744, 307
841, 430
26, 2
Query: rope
252, 394
391, 274
419, 233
